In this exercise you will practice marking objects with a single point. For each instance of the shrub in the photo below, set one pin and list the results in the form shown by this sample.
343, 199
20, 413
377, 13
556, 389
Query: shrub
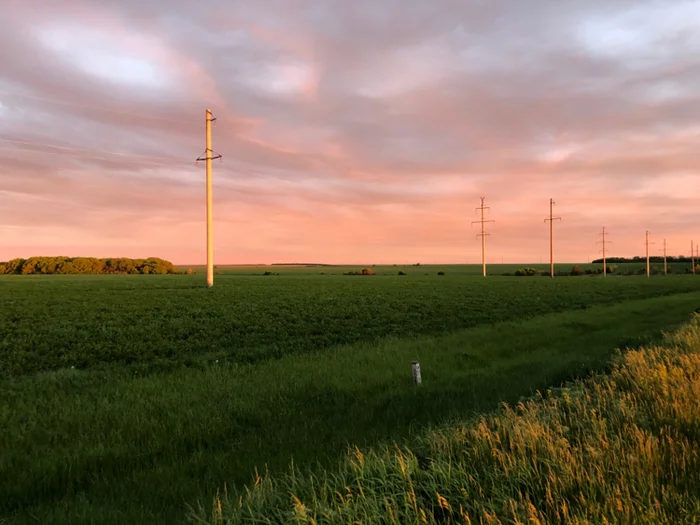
402, 273
526, 272
577, 270
365, 271
441, 273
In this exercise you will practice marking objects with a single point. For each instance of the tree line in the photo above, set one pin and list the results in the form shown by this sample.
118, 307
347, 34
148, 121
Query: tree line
86, 265
652, 258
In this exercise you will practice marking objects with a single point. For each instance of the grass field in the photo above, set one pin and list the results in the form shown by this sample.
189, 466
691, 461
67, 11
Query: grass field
178, 389
617, 448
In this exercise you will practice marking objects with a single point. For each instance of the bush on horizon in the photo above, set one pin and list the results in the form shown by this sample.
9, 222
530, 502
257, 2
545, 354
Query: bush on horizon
86, 265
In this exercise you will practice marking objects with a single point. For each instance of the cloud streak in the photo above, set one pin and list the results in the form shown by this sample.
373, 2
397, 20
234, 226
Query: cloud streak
351, 131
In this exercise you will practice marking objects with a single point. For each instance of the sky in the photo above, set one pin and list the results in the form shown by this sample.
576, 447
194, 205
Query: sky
351, 132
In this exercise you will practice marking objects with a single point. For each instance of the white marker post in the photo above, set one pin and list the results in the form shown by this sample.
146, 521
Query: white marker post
415, 366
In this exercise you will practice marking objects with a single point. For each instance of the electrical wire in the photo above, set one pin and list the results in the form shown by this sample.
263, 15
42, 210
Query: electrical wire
95, 150
96, 108
91, 157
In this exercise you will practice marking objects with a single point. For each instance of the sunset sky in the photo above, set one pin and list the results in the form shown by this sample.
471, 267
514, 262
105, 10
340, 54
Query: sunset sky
352, 131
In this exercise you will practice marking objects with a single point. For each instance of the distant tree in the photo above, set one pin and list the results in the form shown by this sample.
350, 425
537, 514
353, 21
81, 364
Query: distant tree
577, 270
28, 266
86, 265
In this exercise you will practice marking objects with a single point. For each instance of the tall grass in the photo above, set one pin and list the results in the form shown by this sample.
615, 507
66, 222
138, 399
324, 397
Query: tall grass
617, 448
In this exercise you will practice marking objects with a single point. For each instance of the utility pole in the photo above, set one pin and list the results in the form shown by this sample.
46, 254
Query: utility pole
604, 242
483, 234
647, 246
208, 157
665, 265
551, 220
692, 258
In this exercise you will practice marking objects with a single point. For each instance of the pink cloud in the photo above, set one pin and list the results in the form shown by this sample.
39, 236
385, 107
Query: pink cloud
356, 133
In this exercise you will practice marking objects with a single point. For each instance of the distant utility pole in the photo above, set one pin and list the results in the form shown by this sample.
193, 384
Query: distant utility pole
208, 157
647, 246
692, 258
483, 234
551, 220
665, 265
604, 242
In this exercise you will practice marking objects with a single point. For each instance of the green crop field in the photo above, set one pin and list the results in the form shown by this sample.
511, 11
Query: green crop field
131, 398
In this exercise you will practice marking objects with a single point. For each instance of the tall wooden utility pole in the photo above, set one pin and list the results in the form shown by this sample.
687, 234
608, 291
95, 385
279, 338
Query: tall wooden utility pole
551, 220
692, 258
208, 157
604, 242
665, 265
647, 246
483, 234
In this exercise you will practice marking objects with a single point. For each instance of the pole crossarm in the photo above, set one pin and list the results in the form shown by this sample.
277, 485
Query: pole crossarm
207, 157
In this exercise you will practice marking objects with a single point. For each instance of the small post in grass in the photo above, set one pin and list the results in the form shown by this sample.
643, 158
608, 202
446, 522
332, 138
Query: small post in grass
415, 366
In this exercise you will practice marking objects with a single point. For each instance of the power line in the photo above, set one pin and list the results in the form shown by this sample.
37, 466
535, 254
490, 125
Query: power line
96, 108
96, 150
91, 157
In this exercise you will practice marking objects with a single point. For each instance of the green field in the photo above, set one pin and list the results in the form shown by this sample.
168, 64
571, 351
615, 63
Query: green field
621, 447
127, 398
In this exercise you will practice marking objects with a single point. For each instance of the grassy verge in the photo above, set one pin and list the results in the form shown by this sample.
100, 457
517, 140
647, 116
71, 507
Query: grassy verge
617, 448
106, 447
